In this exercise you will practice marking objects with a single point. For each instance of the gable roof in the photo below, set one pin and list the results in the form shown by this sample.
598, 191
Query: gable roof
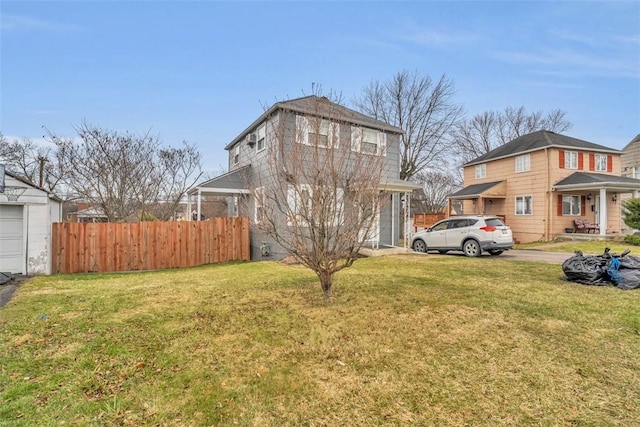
537, 141
474, 190
317, 106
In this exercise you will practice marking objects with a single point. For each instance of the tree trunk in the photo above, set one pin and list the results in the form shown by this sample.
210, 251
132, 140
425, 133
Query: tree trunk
326, 282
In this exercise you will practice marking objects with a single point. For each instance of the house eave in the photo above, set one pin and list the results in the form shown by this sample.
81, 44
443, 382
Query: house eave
563, 147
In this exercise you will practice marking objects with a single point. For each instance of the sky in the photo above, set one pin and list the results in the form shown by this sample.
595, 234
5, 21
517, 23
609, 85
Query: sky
202, 71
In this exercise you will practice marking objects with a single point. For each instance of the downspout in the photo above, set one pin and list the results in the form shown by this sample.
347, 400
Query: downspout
393, 215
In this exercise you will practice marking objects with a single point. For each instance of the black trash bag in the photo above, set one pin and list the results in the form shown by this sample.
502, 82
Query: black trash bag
625, 271
587, 270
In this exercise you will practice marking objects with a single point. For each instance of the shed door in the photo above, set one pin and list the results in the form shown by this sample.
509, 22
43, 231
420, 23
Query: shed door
11, 239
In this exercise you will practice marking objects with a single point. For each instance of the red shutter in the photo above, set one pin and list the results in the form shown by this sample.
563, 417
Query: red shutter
580, 161
592, 161
609, 163
559, 204
561, 152
583, 206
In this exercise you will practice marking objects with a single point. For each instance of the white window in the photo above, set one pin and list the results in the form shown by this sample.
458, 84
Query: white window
523, 163
368, 141
236, 154
317, 132
299, 199
481, 171
524, 205
635, 172
601, 162
571, 160
261, 135
259, 205
570, 205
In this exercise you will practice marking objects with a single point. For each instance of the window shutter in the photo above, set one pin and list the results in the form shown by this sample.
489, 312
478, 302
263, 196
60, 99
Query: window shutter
580, 161
609, 163
559, 204
583, 206
592, 161
561, 152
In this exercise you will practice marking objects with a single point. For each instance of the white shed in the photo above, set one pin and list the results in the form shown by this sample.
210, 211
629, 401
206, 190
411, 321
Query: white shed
26, 216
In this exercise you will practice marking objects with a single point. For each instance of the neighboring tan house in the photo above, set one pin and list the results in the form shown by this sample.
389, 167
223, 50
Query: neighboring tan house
248, 157
541, 182
631, 158
26, 215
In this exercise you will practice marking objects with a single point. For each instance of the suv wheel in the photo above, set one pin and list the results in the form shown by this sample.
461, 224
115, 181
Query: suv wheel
419, 246
472, 248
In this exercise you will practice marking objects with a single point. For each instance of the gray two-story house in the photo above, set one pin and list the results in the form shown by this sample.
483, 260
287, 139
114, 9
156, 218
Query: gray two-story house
287, 125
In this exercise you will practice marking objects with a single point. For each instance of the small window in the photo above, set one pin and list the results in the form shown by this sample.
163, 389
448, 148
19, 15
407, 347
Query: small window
481, 171
571, 160
236, 154
368, 141
496, 222
636, 172
523, 163
261, 135
601, 162
458, 223
570, 205
523, 205
319, 133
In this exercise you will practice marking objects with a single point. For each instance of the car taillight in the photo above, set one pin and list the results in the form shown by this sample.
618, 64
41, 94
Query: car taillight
488, 228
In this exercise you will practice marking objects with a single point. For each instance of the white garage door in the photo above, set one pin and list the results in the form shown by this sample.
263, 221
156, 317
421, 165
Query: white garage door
11, 239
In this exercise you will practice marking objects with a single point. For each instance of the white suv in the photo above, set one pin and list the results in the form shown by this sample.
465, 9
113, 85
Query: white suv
471, 234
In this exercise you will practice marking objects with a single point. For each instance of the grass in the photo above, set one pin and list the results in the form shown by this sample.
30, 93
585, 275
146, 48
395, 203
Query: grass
409, 340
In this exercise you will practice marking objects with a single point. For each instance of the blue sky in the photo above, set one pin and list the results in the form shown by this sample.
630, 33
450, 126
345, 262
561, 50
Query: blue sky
202, 71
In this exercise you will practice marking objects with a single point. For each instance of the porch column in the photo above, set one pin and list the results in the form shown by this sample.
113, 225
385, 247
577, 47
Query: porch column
199, 203
635, 194
407, 220
603, 212
188, 213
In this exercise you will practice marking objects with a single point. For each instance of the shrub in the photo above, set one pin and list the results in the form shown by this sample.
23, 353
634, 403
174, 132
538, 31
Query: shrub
632, 239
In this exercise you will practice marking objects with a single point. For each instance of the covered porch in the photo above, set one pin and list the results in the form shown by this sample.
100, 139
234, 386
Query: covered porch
487, 198
601, 197
231, 184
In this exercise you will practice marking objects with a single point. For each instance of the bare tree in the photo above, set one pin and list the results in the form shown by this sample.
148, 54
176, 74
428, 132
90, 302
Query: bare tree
491, 129
38, 165
424, 109
436, 187
321, 193
127, 174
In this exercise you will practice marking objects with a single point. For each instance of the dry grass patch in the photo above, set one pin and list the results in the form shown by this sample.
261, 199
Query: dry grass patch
409, 340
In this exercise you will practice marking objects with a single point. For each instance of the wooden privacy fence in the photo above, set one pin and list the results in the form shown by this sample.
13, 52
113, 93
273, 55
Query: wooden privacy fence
424, 220
105, 247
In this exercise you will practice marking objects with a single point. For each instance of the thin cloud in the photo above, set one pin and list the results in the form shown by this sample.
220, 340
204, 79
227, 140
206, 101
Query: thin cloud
571, 63
16, 23
434, 38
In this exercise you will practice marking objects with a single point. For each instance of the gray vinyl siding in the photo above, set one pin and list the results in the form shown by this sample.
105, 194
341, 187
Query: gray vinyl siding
259, 170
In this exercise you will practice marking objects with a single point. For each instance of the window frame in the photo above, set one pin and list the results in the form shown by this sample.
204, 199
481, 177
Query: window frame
236, 154
523, 163
523, 202
600, 160
261, 136
259, 205
571, 160
358, 140
481, 171
579, 204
